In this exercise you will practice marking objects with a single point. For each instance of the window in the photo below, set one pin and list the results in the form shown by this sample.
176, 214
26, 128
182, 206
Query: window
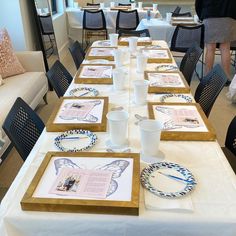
54, 6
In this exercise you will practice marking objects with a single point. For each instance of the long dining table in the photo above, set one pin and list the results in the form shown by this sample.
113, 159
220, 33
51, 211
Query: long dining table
211, 206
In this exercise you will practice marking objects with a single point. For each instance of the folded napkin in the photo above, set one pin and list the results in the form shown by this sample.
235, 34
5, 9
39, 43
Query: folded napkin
154, 202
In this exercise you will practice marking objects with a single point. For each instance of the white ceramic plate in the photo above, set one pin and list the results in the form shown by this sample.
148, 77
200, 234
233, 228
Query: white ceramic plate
75, 140
150, 173
176, 98
84, 92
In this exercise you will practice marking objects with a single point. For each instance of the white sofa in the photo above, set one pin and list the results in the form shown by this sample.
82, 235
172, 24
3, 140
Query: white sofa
31, 86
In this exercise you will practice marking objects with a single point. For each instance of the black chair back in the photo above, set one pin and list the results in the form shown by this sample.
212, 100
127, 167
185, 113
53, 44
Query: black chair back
77, 53
184, 14
23, 127
138, 33
93, 4
230, 141
185, 36
46, 25
59, 78
176, 10
124, 4
94, 20
209, 88
127, 20
189, 62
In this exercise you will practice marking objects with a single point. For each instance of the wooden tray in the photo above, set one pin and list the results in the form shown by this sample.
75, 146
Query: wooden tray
172, 134
124, 8
55, 124
167, 59
106, 57
79, 80
158, 89
139, 43
32, 201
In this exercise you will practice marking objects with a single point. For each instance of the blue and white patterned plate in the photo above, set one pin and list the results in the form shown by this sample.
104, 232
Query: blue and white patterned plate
176, 97
148, 172
75, 140
84, 92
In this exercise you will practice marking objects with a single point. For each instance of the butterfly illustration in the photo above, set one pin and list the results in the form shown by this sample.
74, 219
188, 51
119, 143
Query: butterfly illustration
117, 167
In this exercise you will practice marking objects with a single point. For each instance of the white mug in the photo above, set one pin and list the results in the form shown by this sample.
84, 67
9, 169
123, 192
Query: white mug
140, 5
118, 126
112, 4
168, 16
118, 79
102, 5
113, 39
154, 6
140, 91
150, 132
132, 44
133, 5
141, 63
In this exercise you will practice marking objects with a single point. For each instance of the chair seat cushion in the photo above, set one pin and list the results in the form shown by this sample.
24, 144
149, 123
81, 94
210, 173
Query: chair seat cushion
9, 63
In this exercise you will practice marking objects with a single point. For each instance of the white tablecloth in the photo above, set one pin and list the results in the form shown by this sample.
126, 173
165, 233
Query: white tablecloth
214, 199
75, 20
159, 29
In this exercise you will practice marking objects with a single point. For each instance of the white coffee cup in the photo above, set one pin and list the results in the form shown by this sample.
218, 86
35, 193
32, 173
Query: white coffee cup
141, 63
113, 39
154, 6
102, 5
118, 57
196, 19
140, 5
118, 79
133, 5
150, 132
168, 16
118, 124
133, 44
112, 4
140, 91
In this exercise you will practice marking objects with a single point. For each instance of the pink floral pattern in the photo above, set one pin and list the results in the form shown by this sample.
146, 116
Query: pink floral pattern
9, 63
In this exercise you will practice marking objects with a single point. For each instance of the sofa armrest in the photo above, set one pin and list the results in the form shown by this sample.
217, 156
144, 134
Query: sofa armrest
32, 61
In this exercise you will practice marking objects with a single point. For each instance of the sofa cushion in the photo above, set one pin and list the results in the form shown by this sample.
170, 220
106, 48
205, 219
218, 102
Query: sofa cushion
25, 85
9, 63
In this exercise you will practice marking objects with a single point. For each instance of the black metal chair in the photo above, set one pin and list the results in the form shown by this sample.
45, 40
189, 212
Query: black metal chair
45, 22
189, 62
209, 88
23, 127
77, 53
138, 33
184, 14
176, 10
59, 78
94, 24
93, 4
230, 144
127, 20
185, 36
124, 4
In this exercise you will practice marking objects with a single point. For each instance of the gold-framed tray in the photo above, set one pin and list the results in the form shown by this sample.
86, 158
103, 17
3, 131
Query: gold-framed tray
166, 82
100, 53
182, 121
65, 182
123, 8
187, 23
79, 113
142, 41
157, 55
94, 74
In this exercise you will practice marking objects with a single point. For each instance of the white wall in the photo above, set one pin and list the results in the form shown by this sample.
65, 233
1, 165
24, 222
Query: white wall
10, 18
